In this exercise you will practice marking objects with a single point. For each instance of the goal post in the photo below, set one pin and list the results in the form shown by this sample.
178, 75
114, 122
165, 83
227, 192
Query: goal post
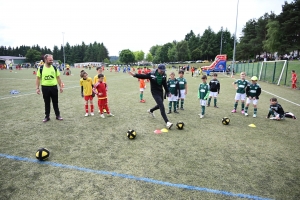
272, 71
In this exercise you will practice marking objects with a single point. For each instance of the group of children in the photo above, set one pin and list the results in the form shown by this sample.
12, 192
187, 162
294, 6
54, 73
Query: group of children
178, 89
252, 91
243, 89
91, 88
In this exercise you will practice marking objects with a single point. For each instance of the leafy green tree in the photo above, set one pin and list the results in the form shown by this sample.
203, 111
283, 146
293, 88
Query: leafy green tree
126, 56
208, 44
290, 27
153, 50
157, 58
149, 57
196, 54
172, 54
106, 60
33, 55
272, 44
183, 51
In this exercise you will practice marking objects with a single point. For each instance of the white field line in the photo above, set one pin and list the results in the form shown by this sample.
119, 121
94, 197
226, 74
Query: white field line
275, 95
21, 95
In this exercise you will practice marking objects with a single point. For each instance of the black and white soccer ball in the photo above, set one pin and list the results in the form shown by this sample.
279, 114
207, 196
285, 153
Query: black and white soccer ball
225, 120
179, 125
42, 154
131, 134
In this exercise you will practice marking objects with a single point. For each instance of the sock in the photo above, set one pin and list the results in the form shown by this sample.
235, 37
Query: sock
243, 105
175, 105
235, 105
182, 102
86, 108
255, 110
215, 101
203, 110
141, 96
170, 105
246, 109
92, 108
209, 99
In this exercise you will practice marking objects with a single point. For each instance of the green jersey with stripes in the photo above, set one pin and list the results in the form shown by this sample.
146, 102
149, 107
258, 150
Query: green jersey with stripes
253, 90
203, 91
172, 85
182, 83
241, 84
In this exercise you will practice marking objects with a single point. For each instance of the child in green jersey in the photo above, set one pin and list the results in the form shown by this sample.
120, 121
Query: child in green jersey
183, 89
173, 85
240, 87
203, 93
252, 91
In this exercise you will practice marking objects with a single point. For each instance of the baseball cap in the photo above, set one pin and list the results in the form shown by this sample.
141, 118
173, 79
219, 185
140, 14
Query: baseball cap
162, 67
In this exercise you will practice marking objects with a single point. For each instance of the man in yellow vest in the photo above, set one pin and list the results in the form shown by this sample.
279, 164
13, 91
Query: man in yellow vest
48, 77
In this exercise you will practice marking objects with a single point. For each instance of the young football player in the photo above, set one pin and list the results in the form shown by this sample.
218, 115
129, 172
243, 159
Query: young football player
203, 93
252, 91
214, 86
276, 110
183, 89
87, 92
294, 79
142, 88
240, 92
174, 88
100, 89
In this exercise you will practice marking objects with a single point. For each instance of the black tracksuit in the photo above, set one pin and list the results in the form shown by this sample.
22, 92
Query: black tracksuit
157, 91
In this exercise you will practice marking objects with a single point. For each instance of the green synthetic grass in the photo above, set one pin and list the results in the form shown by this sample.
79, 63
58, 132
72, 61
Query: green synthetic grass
262, 161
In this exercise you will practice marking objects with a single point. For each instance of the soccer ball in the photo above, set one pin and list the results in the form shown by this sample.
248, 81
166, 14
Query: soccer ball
42, 154
225, 120
179, 125
131, 134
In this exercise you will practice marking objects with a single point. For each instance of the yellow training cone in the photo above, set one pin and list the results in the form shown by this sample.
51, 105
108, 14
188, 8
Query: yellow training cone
164, 130
252, 125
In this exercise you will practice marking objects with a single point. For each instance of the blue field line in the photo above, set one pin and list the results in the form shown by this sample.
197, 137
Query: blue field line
127, 176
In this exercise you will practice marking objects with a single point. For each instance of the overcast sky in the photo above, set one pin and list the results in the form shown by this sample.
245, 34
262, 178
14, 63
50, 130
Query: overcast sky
122, 24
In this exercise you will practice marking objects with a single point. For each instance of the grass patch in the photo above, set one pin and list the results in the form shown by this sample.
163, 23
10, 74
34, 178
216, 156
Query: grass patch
262, 161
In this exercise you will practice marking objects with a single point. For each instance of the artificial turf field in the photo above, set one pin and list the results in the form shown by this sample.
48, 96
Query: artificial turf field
91, 157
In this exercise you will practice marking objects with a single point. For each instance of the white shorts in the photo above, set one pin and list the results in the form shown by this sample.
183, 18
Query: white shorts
213, 94
254, 101
142, 89
202, 102
173, 98
239, 96
182, 94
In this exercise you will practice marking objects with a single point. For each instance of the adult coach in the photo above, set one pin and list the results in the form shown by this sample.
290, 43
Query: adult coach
158, 81
48, 77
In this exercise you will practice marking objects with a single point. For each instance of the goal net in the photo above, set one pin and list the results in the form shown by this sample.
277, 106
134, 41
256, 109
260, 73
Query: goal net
273, 71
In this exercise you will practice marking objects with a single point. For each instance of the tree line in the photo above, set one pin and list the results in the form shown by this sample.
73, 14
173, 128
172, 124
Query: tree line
95, 52
267, 35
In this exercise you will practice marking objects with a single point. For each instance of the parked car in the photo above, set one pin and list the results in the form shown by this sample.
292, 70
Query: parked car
199, 61
205, 61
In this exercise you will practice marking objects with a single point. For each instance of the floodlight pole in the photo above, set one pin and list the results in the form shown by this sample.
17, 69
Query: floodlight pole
234, 43
221, 40
64, 49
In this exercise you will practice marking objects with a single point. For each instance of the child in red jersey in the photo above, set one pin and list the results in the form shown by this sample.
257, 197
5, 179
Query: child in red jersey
100, 89
294, 79
142, 88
